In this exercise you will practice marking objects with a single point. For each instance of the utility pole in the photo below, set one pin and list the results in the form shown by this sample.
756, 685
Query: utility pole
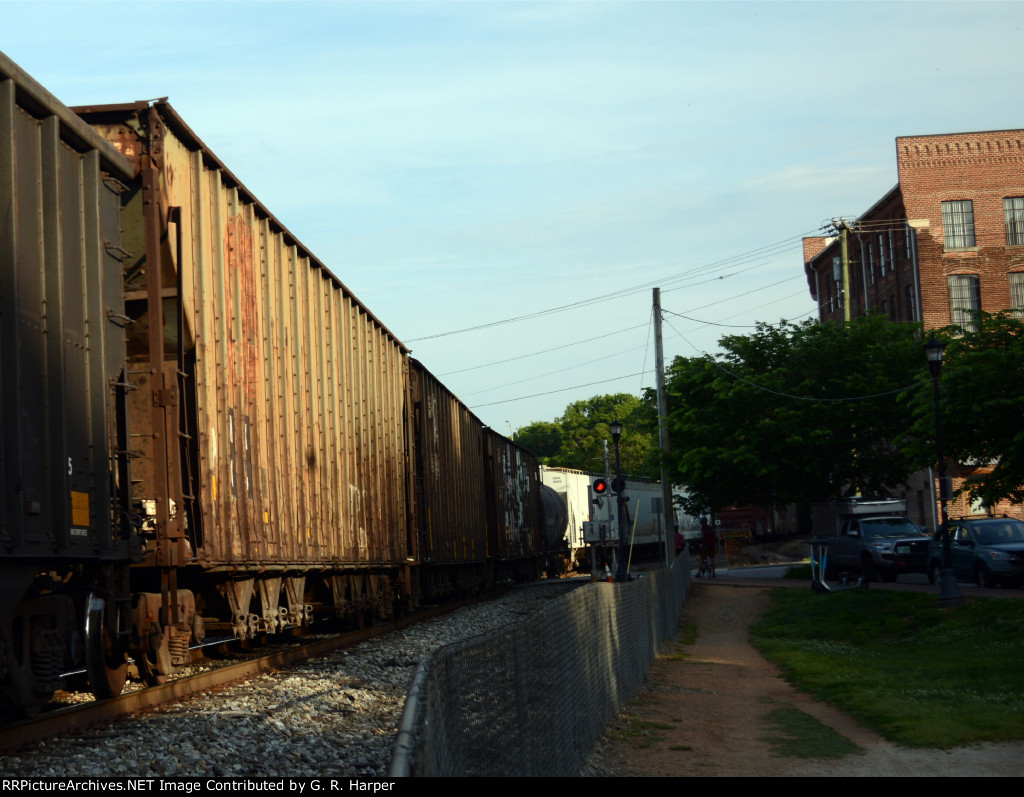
844, 234
666, 485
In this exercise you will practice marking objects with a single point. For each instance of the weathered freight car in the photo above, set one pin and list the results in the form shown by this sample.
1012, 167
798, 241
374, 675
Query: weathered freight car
270, 409
201, 425
493, 527
65, 539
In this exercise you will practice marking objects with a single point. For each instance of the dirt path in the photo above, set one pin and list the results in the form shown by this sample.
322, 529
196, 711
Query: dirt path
708, 712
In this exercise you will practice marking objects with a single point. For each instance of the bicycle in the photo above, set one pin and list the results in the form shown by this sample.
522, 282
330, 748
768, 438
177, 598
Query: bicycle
707, 566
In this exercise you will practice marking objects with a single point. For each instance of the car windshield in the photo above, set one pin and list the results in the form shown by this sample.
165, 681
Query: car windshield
889, 527
999, 533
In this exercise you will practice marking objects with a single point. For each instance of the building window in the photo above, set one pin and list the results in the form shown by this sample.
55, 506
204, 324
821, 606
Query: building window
958, 223
1013, 209
1017, 290
882, 253
911, 304
964, 300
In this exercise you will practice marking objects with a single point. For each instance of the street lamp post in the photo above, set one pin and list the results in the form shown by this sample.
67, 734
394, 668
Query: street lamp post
949, 590
621, 571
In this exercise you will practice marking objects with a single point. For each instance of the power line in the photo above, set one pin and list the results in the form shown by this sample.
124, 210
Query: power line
764, 389
557, 371
542, 351
736, 326
638, 326
761, 252
560, 390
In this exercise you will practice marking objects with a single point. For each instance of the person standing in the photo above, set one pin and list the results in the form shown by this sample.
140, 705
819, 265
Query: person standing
707, 547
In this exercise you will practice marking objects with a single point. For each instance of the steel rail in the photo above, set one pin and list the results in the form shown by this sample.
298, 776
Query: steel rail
82, 717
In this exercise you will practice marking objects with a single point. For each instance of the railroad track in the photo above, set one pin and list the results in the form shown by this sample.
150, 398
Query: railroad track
85, 715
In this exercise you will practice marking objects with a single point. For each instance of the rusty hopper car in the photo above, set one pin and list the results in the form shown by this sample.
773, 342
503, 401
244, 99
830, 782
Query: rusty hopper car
450, 499
513, 503
477, 495
64, 536
270, 407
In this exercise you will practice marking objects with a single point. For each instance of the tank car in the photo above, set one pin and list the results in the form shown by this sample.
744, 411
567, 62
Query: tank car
645, 520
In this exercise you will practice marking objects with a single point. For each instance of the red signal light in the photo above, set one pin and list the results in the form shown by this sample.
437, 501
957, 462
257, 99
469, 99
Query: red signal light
600, 487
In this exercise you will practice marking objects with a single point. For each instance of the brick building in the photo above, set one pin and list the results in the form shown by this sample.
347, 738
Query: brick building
946, 240
948, 237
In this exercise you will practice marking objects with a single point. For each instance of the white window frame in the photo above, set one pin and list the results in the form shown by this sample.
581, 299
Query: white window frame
1013, 212
964, 300
958, 224
1016, 290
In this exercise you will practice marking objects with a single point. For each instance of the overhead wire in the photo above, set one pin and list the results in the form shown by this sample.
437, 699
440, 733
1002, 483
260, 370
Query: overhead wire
559, 390
560, 347
758, 253
765, 389
630, 329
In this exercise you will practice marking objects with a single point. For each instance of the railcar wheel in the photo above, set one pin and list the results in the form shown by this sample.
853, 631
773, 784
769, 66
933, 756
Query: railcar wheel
105, 662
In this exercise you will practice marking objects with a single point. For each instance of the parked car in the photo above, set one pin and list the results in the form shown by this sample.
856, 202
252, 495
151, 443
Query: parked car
989, 551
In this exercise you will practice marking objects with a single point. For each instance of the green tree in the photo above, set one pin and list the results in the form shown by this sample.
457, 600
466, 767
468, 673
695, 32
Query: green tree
543, 438
982, 389
794, 413
581, 430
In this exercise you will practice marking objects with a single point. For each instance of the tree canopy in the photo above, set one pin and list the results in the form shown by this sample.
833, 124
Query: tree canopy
576, 438
982, 399
794, 413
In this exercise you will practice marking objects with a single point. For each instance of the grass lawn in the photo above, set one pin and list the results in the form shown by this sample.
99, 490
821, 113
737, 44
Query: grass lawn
895, 662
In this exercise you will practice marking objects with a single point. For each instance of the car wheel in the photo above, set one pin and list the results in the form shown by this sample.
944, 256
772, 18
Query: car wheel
889, 576
934, 572
982, 576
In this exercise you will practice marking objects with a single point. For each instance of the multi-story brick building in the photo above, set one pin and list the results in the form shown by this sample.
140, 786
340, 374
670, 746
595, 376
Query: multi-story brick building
948, 239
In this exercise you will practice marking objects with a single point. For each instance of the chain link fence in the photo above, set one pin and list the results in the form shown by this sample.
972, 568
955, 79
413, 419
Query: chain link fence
531, 699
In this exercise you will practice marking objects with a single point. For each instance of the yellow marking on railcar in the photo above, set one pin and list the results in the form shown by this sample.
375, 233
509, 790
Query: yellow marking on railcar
79, 508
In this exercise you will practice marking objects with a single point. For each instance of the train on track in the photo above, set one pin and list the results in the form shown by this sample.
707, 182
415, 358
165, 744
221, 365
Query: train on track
202, 428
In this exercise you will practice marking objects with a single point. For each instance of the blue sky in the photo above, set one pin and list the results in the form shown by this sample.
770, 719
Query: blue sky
461, 163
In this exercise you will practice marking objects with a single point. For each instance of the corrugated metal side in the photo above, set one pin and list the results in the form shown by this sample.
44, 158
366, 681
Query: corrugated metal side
573, 486
300, 396
451, 519
294, 398
513, 476
61, 346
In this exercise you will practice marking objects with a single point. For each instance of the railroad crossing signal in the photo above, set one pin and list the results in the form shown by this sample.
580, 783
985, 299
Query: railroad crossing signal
600, 487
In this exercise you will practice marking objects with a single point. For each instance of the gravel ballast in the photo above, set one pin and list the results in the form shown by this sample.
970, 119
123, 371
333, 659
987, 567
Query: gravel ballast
335, 714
